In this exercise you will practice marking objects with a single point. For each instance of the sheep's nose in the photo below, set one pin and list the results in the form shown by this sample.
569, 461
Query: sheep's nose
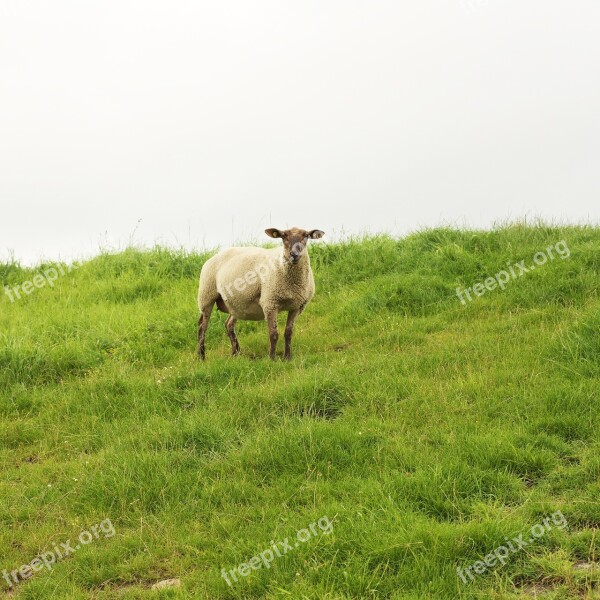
294, 254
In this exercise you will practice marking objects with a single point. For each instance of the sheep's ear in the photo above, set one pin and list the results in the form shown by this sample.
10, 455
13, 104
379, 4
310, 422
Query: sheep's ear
274, 233
316, 234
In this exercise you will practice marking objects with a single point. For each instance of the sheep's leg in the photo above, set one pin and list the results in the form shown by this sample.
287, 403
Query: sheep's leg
289, 331
271, 317
202, 327
230, 328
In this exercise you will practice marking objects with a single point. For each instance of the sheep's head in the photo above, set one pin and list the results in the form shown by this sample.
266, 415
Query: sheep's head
294, 241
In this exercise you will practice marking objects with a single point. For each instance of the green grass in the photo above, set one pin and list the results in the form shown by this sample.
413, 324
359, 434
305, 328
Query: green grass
427, 431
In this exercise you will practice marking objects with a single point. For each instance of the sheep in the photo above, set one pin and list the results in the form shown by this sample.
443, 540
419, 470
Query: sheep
253, 284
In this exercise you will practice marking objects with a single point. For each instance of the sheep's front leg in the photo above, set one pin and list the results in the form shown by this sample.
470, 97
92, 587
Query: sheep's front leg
289, 331
271, 317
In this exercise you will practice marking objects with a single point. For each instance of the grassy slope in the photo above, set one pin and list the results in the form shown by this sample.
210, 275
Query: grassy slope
426, 430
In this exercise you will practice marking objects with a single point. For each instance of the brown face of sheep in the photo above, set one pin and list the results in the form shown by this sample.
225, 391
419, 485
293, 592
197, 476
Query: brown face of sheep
294, 241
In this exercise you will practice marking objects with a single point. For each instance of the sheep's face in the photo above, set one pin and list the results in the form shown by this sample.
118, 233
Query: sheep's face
294, 241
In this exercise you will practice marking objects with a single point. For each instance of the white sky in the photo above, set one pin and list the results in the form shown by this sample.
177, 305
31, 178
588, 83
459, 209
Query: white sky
195, 124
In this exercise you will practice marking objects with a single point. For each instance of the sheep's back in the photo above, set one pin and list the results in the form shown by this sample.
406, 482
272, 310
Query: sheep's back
236, 263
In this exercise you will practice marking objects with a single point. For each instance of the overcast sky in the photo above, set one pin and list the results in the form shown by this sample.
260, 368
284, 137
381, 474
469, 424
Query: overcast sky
199, 124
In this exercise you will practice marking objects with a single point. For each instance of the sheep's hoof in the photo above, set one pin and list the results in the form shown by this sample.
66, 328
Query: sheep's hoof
287, 357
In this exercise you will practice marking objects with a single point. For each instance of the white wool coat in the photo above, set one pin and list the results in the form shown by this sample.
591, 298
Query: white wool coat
251, 282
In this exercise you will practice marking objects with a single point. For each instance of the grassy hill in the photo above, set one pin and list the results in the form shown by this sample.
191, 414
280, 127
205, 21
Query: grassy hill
426, 431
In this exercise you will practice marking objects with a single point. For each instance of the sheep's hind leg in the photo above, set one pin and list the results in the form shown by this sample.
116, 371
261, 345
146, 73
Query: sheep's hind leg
271, 317
289, 331
202, 327
230, 328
